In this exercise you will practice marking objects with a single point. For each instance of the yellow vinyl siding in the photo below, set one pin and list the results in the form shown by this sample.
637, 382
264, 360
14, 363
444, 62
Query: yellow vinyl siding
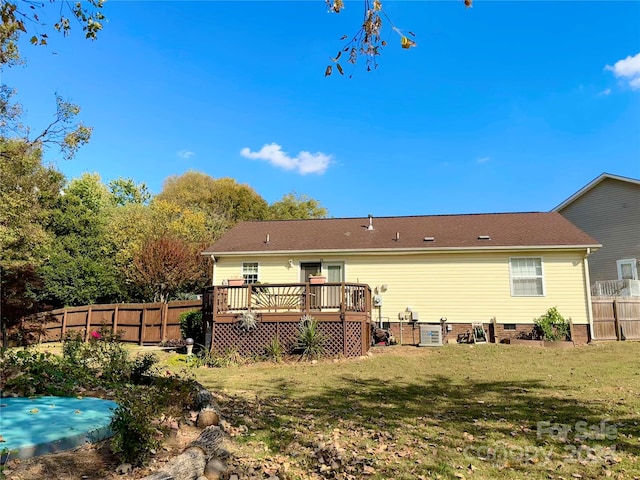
472, 287
464, 287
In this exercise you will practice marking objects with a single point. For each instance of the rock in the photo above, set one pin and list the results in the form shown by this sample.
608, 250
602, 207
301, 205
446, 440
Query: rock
207, 417
124, 468
215, 469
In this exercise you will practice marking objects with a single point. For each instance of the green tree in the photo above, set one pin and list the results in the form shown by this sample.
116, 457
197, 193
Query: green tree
293, 206
133, 226
221, 199
28, 192
126, 191
81, 267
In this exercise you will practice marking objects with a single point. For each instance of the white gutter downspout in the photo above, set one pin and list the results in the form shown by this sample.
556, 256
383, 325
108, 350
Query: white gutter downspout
587, 282
213, 269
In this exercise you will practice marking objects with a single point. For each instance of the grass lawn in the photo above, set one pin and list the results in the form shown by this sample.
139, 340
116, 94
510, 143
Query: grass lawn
459, 411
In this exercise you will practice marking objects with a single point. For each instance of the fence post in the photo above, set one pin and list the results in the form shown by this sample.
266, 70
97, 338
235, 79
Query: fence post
64, 324
88, 324
164, 313
143, 325
115, 320
616, 319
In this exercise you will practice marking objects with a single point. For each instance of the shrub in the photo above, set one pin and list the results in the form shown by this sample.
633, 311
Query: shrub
191, 324
142, 368
552, 326
311, 340
102, 358
28, 372
135, 434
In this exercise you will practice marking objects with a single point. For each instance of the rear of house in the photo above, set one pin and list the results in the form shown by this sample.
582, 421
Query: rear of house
502, 270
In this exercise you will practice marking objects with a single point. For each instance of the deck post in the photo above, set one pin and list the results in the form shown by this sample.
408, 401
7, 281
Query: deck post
343, 317
307, 297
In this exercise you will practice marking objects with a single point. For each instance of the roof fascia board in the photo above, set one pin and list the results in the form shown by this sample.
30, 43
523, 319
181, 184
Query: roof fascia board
592, 184
405, 251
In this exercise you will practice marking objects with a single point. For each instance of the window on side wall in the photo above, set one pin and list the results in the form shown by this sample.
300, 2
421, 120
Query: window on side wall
627, 269
250, 272
526, 277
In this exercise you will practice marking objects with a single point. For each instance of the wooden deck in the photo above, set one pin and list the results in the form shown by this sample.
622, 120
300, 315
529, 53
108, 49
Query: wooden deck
343, 311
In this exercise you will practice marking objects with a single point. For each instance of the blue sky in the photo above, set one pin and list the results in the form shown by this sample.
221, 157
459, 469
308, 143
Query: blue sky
507, 106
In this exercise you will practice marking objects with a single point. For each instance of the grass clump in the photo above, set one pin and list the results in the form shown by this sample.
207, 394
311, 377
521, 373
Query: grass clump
274, 351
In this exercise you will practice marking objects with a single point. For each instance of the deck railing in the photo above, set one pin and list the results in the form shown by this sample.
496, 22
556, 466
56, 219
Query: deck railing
291, 297
616, 288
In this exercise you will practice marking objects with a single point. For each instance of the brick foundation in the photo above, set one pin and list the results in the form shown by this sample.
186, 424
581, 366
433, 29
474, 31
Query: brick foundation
459, 332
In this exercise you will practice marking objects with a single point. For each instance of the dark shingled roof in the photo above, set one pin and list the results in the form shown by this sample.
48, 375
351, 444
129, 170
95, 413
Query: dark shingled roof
548, 229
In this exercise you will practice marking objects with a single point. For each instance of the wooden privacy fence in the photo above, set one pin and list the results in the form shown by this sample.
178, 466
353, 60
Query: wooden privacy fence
616, 318
142, 323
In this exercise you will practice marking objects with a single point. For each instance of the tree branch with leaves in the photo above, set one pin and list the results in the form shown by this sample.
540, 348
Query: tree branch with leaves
26, 17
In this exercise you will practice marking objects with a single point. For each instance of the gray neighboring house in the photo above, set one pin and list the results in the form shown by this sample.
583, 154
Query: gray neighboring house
608, 209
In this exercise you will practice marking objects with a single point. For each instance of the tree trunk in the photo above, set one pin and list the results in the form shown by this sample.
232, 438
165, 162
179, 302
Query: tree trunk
191, 463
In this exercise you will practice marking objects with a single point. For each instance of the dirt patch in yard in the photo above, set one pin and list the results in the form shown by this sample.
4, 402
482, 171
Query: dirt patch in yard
94, 461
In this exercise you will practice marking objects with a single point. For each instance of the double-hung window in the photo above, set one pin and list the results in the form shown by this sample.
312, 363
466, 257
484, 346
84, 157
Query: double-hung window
250, 272
526, 277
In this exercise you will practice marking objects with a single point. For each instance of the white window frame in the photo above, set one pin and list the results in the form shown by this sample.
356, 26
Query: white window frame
634, 267
246, 272
536, 277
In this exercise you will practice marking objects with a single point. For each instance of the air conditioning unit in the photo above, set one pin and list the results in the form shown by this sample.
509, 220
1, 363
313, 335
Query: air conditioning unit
430, 335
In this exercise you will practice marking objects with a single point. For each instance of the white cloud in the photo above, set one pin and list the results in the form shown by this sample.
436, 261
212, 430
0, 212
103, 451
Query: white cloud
303, 163
628, 68
606, 92
483, 160
186, 154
